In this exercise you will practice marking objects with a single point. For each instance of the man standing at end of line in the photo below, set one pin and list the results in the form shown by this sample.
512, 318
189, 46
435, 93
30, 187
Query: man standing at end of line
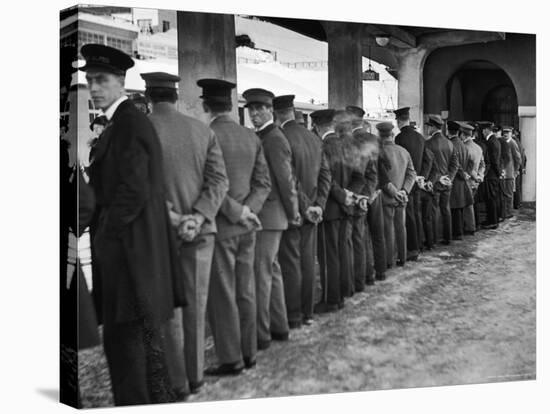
132, 246
493, 173
280, 210
196, 185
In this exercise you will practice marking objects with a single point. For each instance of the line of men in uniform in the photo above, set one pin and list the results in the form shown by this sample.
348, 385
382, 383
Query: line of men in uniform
217, 221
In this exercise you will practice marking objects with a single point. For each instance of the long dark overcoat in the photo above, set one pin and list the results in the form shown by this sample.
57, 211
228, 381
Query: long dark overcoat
133, 240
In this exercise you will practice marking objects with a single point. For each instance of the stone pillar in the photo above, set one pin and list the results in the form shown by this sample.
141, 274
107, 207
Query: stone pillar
410, 87
206, 49
528, 129
345, 83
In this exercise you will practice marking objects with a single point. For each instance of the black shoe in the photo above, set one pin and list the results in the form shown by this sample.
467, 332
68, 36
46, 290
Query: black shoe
369, 281
249, 362
294, 324
279, 336
225, 369
445, 242
380, 276
359, 289
490, 226
469, 233
457, 238
413, 258
263, 345
501, 219
308, 321
195, 387
341, 305
400, 263
180, 394
323, 307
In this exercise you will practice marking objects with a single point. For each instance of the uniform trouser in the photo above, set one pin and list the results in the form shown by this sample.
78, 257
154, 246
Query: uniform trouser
297, 259
426, 205
470, 215
376, 243
395, 232
442, 214
507, 190
137, 364
517, 193
359, 252
493, 196
329, 260
346, 257
414, 222
189, 331
457, 215
232, 299
270, 294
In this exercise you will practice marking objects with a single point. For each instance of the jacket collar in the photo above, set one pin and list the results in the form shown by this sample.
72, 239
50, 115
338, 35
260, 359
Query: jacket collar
109, 112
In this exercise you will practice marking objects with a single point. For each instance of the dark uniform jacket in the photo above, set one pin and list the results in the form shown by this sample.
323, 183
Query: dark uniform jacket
414, 143
310, 166
344, 173
493, 168
461, 194
134, 244
444, 159
247, 171
282, 203
194, 170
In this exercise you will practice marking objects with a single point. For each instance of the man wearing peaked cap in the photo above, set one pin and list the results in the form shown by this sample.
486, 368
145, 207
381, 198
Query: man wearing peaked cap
511, 167
278, 212
283, 102
258, 96
132, 243
296, 251
461, 194
216, 90
196, 185
443, 172
322, 117
415, 144
232, 295
401, 178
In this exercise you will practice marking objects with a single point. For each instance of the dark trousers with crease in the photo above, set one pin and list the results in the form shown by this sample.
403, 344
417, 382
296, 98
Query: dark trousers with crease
457, 215
413, 222
359, 252
442, 214
492, 200
297, 260
426, 205
376, 240
328, 247
346, 257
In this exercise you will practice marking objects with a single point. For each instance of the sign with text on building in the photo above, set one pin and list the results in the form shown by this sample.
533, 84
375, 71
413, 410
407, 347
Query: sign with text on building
371, 75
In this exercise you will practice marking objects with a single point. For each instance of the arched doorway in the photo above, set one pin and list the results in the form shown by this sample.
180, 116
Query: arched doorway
481, 90
501, 106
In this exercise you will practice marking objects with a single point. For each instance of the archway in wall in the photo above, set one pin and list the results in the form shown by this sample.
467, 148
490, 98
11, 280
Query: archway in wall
481, 90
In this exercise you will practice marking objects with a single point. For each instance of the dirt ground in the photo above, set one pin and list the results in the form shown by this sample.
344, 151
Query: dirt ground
462, 314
